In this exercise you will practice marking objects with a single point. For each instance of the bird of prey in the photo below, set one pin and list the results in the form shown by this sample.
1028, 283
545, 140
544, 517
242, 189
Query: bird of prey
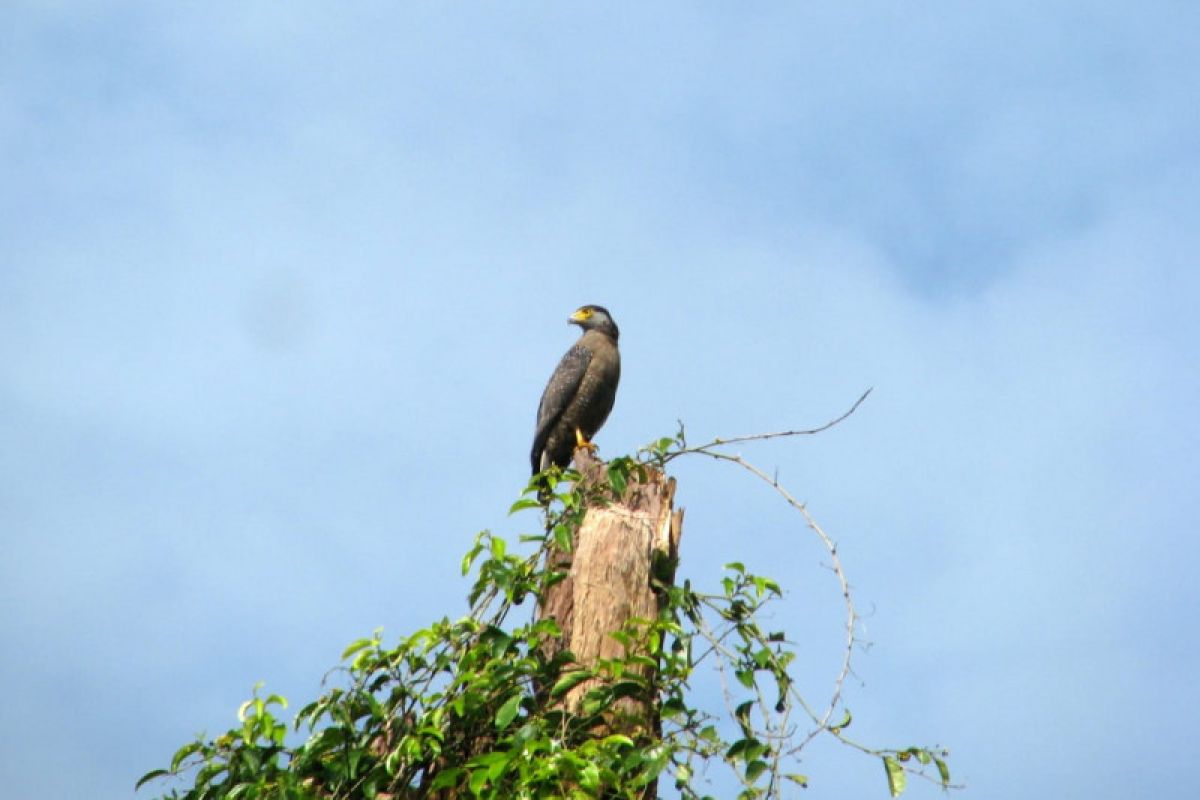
580, 392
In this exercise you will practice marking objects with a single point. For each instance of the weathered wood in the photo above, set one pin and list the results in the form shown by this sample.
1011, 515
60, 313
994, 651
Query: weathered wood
611, 568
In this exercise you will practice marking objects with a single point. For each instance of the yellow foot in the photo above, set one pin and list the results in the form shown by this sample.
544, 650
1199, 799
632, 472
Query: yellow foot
582, 443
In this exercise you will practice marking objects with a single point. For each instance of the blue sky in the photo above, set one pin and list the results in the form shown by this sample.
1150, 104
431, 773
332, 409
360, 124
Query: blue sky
280, 286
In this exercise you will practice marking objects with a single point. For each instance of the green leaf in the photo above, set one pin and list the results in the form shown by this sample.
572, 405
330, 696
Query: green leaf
754, 769
184, 752
447, 778
207, 773
244, 708
499, 547
499, 641
508, 712
569, 681
617, 738
845, 723
623, 638
764, 585
673, 707
562, 538
589, 779
478, 779
897, 780
943, 770
498, 766
616, 477
796, 778
546, 627
738, 749
521, 505
628, 688
597, 700
350, 650
149, 776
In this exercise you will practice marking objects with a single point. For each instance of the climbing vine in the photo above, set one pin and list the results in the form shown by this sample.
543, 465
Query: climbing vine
467, 707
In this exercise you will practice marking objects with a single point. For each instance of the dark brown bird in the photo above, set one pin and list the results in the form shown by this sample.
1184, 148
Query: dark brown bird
580, 392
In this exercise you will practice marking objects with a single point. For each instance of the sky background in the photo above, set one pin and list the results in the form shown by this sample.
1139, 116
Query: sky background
281, 284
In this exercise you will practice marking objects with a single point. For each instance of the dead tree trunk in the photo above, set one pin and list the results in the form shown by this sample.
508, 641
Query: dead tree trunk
619, 551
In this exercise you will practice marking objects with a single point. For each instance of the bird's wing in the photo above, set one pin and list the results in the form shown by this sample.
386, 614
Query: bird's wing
561, 389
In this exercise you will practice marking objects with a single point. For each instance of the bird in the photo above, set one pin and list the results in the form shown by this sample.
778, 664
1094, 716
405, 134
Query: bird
580, 393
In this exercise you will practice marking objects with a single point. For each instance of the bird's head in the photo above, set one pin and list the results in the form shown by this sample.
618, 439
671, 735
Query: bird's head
594, 318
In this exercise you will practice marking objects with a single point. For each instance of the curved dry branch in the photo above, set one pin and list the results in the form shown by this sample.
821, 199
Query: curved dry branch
709, 449
822, 719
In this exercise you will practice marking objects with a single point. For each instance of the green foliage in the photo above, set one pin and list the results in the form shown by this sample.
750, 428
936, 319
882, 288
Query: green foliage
470, 707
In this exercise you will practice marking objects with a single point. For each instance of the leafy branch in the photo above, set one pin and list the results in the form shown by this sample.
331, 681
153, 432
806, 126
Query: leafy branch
470, 707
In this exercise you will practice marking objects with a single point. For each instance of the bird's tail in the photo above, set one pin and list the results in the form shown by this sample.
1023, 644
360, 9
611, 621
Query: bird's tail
542, 485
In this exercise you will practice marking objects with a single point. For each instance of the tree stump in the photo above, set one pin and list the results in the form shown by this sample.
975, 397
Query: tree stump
619, 551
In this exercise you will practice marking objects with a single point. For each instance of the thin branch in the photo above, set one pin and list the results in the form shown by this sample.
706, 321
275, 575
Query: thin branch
755, 437
822, 720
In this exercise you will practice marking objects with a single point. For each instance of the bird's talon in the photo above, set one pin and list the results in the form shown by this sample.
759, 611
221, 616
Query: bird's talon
582, 443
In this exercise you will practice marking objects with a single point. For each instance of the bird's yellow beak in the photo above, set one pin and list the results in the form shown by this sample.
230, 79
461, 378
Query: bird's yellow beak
579, 316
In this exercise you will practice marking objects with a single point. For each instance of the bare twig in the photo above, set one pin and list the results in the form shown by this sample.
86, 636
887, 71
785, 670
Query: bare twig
756, 437
822, 720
